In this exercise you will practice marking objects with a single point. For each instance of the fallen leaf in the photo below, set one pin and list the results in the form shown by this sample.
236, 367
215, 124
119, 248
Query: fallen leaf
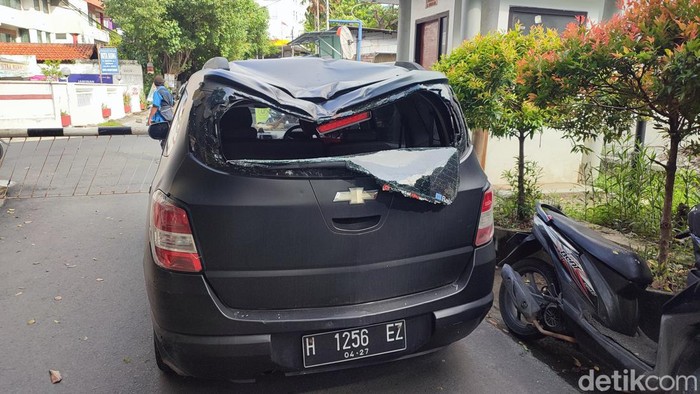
99, 279
84, 338
36, 263
30, 322
495, 323
524, 346
55, 376
596, 368
576, 362
57, 321
94, 259
71, 265
18, 294
126, 360
27, 222
58, 298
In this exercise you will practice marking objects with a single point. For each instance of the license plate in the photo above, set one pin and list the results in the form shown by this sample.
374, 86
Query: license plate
352, 344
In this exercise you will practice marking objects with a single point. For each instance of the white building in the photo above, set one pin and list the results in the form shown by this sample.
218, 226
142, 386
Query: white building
429, 29
45, 21
286, 18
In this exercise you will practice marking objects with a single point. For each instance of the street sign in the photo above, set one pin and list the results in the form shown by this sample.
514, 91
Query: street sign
109, 61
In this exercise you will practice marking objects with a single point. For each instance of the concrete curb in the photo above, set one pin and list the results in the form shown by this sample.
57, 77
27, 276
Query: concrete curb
73, 131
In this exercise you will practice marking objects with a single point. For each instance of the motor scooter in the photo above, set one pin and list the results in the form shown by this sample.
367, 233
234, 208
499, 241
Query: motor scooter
566, 281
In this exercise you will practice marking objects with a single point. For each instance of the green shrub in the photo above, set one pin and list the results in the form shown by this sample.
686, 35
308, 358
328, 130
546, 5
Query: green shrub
506, 207
628, 193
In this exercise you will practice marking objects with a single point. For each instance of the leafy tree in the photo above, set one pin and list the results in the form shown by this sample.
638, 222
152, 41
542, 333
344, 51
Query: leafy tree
484, 74
52, 70
178, 34
645, 60
377, 16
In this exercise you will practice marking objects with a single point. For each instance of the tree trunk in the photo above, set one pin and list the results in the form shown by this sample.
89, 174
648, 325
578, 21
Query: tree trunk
522, 209
666, 213
480, 139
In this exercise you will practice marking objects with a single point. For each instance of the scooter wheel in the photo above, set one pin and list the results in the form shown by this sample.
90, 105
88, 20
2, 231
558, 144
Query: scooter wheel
545, 279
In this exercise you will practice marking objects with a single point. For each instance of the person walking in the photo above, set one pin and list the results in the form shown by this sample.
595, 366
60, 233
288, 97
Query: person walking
162, 109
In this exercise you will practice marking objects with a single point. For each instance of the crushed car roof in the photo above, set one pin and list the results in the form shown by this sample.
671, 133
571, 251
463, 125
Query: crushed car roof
321, 87
312, 77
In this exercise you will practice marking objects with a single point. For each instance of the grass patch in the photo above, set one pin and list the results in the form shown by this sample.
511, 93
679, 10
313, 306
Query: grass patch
109, 123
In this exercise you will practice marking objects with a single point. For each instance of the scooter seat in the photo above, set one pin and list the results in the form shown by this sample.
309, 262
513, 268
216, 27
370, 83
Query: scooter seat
621, 260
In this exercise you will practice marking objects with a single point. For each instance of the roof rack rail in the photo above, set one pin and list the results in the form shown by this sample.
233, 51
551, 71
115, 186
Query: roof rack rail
218, 62
409, 65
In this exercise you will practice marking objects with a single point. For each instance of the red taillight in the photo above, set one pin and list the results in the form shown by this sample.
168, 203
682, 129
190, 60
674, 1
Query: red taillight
343, 122
171, 236
485, 231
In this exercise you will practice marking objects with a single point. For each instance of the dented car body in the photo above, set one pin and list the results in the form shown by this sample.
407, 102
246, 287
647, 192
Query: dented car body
310, 215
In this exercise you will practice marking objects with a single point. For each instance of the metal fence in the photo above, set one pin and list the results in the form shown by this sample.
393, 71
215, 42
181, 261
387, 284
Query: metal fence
69, 162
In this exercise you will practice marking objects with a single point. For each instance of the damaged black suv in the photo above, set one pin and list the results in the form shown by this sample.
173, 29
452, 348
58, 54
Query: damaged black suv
312, 214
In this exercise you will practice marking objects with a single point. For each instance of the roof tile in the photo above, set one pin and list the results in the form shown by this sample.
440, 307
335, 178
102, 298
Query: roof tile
49, 51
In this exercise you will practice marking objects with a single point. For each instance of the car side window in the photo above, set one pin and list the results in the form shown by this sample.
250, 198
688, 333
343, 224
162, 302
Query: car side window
178, 125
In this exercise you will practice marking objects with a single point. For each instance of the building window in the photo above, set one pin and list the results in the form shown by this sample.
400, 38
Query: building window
45, 5
48, 37
549, 18
12, 3
61, 36
37, 7
23, 35
7, 37
40, 36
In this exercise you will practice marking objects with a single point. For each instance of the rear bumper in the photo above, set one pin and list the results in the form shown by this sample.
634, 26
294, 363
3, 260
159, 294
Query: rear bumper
246, 356
199, 336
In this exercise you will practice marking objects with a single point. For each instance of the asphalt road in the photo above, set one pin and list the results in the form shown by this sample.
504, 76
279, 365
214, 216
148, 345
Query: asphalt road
72, 294
87, 250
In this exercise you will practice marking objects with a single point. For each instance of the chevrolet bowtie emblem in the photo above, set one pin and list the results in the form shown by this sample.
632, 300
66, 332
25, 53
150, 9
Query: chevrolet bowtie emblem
355, 195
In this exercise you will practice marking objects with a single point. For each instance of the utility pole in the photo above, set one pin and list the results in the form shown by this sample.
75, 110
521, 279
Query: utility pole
318, 24
328, 16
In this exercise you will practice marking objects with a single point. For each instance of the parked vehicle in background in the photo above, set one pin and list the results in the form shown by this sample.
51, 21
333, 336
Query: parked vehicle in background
310, 215
590, 291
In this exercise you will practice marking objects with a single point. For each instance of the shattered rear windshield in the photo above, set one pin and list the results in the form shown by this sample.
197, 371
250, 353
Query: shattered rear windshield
411, 145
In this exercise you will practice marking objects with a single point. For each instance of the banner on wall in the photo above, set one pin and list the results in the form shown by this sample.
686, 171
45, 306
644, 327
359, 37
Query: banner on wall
16, 66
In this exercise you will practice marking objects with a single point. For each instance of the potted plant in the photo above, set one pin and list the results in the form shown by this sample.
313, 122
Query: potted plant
106, 111
142, 100
127, 103
65, 119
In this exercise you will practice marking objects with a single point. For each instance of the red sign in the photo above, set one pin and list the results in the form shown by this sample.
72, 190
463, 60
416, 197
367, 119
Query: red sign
430, 3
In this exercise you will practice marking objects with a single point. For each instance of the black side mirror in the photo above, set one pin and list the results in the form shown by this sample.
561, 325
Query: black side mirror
158, 131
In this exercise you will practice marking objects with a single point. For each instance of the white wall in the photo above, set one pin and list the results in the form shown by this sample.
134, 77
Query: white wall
378, 42
548, 149
82, 101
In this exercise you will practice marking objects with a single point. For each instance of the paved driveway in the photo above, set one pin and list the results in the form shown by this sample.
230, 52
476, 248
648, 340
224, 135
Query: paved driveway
72, 294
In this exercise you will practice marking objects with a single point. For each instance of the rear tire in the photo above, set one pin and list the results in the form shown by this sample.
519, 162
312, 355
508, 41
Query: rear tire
159, 358
516, 323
